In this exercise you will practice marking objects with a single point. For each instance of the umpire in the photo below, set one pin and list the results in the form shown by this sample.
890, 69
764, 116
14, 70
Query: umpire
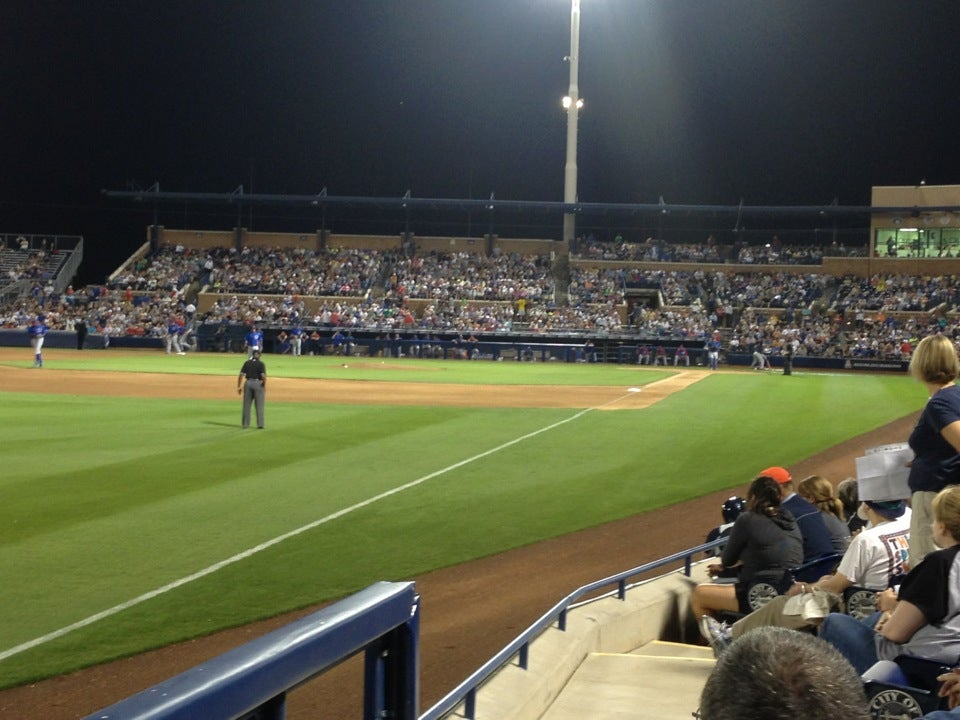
255, 373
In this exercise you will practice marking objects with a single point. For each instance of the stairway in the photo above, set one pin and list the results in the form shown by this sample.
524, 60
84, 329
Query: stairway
659, 680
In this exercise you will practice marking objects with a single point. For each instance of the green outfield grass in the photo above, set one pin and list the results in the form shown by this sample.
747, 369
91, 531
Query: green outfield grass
108, 499
508, 372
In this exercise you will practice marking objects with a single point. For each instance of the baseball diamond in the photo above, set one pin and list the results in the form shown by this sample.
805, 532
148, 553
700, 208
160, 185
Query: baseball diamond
470, 610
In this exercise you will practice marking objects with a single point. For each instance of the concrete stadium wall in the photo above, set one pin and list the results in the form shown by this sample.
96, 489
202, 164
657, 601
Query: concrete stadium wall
195, 239
451, 244
364, 242
208, 239
865, 267
286, 240
658, 609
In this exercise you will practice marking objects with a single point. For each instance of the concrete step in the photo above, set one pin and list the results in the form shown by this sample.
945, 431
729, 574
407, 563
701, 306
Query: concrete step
614, 687
663, 648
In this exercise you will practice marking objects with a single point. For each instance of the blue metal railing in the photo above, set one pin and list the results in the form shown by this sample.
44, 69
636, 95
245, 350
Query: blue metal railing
466, 692
382, 620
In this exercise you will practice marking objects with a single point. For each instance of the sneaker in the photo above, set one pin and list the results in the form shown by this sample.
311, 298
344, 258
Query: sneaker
716, 633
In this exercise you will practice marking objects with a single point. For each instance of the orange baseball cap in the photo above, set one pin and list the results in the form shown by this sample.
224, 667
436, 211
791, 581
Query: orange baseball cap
777, 473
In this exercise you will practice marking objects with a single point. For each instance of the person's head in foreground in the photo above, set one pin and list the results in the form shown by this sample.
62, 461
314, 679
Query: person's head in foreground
773, 673
934, 362
946, 516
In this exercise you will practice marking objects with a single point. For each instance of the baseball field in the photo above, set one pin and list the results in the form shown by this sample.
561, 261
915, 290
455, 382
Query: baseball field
138, 515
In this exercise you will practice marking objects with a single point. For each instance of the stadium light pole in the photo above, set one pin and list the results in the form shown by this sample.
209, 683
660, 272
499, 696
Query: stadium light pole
573, 103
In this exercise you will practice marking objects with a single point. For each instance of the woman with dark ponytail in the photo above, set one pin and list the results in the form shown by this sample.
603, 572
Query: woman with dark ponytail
764, 544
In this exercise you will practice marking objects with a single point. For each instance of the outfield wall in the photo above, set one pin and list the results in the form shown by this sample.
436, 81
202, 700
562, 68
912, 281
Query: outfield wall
497, 347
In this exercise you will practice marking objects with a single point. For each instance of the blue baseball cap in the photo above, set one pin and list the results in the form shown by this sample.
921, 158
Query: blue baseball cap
888, 508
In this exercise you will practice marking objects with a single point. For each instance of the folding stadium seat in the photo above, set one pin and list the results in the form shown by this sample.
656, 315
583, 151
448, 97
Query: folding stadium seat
904, 688
859, 602
815, 569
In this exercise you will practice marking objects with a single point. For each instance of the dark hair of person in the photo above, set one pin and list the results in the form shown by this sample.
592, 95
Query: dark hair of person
849, 493
763, 497
772, 673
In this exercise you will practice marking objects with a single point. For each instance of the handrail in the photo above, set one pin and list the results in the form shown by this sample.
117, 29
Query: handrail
383, 619
466, 691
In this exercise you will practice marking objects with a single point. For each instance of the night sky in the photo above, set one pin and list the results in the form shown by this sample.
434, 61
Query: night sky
774, 102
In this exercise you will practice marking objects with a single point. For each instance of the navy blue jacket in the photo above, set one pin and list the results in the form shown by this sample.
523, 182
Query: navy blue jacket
817, 541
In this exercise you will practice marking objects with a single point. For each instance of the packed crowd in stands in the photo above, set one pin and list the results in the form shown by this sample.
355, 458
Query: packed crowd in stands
710, 251
361, 315
332, 272
814, 314
470, 276
759, 289
693, 324
37, 266
894, 293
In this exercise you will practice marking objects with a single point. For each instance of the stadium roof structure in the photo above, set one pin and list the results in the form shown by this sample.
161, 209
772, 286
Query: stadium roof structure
408, 201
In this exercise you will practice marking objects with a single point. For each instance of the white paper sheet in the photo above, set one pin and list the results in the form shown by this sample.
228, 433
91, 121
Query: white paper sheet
882, 472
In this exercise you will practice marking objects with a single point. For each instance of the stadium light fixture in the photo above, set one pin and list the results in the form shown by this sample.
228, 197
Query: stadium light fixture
573, 104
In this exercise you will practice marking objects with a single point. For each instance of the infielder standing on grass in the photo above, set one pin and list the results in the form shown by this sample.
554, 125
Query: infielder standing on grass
253, 390
253, 341
37, 331
173, 337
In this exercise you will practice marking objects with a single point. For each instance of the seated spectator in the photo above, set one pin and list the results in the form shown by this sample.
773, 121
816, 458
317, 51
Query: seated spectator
849, 493
922, 619
819, 492
778, 674
764, 543
816, 539
875, 557
951, 691
730, 510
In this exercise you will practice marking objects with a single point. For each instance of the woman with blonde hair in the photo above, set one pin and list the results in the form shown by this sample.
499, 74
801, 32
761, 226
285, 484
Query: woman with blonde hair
819, 492
923, 619
935, 440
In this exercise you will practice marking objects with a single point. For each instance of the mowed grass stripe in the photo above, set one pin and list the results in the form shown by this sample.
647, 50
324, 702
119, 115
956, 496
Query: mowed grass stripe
567, 419
412, 370
602, 467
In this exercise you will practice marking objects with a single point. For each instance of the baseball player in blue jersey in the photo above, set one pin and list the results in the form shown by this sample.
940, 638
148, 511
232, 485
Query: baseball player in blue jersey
173, 337
253, 341
296, 340
37, 331
713, 352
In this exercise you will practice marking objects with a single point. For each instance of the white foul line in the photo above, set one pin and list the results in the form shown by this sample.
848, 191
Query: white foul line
22, 647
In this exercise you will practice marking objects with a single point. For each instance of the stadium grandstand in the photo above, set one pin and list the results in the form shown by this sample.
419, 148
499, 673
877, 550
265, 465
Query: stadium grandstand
614, 644
496, 298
